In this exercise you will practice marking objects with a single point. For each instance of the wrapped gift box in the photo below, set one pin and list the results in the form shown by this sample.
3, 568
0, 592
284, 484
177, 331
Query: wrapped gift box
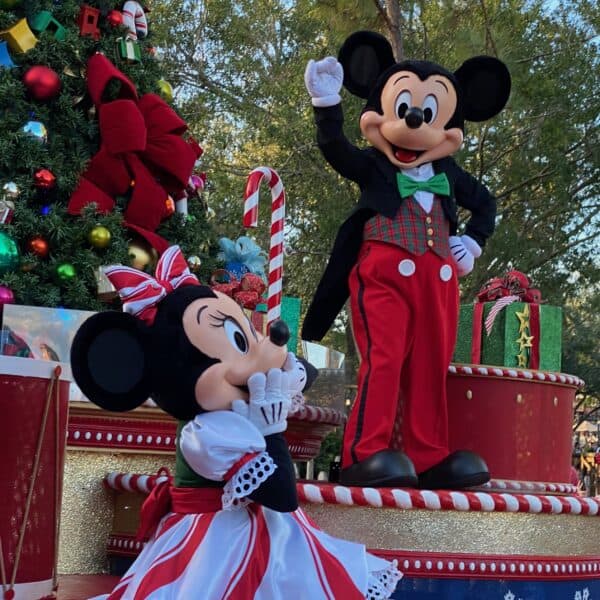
290, 313
129, 50
509, 338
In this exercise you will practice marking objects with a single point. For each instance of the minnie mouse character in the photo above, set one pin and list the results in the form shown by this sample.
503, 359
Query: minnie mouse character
229, 526
398, 255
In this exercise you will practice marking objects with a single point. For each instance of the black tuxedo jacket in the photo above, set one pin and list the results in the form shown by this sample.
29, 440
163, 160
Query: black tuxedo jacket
376, 178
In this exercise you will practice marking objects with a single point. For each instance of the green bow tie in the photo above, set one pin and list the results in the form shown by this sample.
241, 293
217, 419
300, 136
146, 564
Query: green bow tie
438, 184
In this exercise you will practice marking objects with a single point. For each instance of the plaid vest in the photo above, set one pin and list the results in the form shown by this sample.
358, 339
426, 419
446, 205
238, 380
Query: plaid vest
412, 228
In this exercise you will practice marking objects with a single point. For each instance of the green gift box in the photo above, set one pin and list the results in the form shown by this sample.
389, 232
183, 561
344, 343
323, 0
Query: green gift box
129, 50
523, 335
290, 313
45, 22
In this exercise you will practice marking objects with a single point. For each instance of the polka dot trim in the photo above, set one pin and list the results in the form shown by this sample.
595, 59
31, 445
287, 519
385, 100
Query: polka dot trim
249, 478
381, 584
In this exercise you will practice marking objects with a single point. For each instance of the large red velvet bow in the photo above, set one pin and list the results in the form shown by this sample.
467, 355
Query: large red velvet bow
141, 292
142, 151
514, 283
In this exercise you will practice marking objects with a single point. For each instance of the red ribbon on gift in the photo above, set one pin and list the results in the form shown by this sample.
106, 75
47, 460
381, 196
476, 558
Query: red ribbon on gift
513, 287
142, 151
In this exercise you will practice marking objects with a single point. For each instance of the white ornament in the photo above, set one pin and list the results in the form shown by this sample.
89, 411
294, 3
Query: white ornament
134, 18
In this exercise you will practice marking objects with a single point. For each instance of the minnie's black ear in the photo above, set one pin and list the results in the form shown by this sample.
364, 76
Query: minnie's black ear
365, 55
109, 361
485, 83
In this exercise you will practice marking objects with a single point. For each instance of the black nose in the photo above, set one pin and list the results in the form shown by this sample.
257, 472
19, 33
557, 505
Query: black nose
279, 333
414, 117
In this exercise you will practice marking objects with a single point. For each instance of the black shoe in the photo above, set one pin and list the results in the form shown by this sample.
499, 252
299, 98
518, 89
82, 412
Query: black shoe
459, 470
386, 468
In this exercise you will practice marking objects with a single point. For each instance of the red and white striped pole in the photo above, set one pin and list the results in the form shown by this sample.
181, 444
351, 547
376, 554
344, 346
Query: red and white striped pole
277, 223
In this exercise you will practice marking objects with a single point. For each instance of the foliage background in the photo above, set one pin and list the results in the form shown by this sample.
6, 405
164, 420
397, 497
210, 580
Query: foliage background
238, 70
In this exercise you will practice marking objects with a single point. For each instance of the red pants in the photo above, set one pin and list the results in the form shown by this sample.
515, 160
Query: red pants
404, 318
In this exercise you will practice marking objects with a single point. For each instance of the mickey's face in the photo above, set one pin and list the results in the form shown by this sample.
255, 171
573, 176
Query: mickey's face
219, 328
411, 131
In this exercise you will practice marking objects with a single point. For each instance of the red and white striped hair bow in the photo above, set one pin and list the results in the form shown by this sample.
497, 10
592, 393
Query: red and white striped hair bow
141, 292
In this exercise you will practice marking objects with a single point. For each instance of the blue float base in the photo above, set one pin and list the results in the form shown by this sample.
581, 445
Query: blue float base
421, 588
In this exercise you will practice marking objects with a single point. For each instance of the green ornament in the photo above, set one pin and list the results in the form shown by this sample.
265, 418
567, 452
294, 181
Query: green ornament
66, 271
9, 254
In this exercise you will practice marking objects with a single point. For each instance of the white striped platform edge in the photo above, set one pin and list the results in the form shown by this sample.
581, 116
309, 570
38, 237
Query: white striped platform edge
514, 373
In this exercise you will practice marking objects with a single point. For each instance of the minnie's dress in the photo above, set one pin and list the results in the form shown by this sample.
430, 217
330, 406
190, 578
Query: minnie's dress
235, 547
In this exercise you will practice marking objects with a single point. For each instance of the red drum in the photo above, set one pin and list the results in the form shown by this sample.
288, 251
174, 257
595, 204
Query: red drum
34, 398
519, 420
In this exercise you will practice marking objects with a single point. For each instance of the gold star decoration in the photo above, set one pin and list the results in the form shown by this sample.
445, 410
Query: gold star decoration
525, 341
522, 360
523, 318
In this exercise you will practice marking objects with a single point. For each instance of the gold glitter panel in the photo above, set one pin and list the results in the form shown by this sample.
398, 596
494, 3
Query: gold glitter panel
88, 508
456, 531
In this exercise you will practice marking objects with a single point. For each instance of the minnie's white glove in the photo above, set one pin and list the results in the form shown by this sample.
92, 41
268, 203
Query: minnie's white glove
464, 251
323, 80
296, 372
269, 402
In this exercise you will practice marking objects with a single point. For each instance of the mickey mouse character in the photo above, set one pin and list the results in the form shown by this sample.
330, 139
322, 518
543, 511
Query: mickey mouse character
229, 526
398, 254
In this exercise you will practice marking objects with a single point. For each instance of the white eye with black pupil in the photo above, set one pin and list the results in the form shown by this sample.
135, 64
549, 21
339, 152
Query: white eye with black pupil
403, 103
236, 336
430, 108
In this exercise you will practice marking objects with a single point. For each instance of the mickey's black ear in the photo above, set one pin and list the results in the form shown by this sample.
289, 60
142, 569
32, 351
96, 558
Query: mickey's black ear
365, 55
311, 373
485, 83
109, 361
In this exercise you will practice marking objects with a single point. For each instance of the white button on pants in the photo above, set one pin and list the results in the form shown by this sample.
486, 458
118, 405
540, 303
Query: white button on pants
406, 267
446, 273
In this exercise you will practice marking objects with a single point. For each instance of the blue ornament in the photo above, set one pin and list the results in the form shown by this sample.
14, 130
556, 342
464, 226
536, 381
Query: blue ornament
5, 59
37, 130
237, 269
244, 252
45, 210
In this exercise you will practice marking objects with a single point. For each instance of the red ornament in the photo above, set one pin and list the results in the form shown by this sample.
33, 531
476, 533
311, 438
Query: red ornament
38, 246
42, 82
44, 179
88, 21
115, 18
170, 204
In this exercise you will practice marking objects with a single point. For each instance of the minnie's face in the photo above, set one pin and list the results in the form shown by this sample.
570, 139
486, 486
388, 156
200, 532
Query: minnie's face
219, 328
410, 132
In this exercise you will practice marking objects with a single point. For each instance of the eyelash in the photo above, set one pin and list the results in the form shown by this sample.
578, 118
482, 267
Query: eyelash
220, 319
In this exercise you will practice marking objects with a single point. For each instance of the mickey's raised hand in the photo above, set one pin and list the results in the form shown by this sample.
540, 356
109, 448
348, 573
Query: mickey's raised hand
323, 80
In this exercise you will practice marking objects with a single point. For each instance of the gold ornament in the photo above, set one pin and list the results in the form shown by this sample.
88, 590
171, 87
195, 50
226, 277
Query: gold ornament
142, 256
194, 263
165, 89
99, 237
19, 37
521, 360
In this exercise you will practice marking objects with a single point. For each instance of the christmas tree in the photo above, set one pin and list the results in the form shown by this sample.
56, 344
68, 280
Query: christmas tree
96, 168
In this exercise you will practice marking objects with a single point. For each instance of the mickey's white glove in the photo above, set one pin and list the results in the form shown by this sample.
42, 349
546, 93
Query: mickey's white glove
464, 251
269, 402
323, 80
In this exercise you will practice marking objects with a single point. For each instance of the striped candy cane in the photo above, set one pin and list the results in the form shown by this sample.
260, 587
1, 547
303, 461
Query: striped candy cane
277, 222
134, 18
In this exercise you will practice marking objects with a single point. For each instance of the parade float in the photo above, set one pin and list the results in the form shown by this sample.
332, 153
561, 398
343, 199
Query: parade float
525, 534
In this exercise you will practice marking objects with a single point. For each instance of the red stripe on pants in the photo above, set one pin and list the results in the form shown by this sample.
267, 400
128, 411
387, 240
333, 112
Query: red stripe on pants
405, 331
